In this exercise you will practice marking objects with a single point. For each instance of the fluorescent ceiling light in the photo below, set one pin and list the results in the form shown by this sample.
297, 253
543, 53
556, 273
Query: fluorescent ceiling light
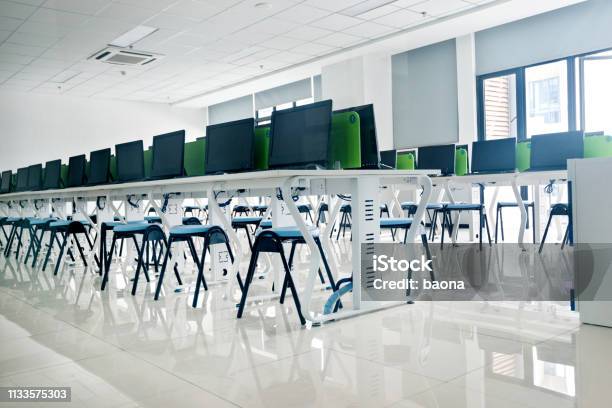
133, 36
364, 7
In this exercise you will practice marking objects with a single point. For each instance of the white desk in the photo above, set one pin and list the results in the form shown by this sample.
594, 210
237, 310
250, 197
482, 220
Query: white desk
363, 186
514, 180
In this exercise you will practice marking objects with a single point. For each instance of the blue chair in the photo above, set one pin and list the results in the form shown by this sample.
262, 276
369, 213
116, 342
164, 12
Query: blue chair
66, 229
37, 225
241, 210
345, 220
305, 209
192, 210
384, 209
259, 209
149, 233
246, 223
557, 210
323, 208
447, 211
212, 234
16, 224
499, 219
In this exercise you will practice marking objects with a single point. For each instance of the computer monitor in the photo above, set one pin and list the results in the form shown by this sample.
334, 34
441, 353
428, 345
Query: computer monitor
130, 161
35, 177
388, 159
229, 147
53, 175
168, 155
99, 167
494, 156
299, 137
437, 158
370, 156
76, 170
551, 151
5, 187
22, 179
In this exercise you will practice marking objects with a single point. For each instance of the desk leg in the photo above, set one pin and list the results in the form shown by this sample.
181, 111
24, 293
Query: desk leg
493, 206
419, 215
537, 206
456, 216
521, 205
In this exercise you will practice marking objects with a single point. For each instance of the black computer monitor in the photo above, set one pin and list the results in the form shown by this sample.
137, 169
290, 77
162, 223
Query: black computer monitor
130, 161
76, 170
35, 177
299, 137
22, 179
168, 155
388, 159
437, 158
5, 187
229, 147
53, 175
99, 167
494, 156
551, 151
370, 156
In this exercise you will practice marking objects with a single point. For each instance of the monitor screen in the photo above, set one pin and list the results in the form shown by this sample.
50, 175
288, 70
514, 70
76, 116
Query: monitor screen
76, 171
437, 158
551, 151
168, 155
35, 177
6, 182
388, 159
99, 166
370, 156
130, 161
22, 179
299, 137
53, 175
494, 156
229, 146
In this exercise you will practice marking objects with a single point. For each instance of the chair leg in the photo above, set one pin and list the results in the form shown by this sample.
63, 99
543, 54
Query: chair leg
51, 241
38, 248
61, 253
565, 236
428, 254
140, 251
107, 262
199, 262
200, 278
80, 248
545, 233
442, 229
501, 221
160, 279
480, 222
291, 285
248, 279
486, 221
497, 222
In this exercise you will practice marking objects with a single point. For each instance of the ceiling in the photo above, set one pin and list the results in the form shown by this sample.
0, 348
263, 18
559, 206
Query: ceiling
207, 44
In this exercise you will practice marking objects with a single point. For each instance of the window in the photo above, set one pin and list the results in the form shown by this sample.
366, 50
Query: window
264, 116
547, 100
500, 114
596, 90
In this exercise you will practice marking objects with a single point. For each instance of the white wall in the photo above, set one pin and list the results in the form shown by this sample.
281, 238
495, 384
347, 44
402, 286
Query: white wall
38, 128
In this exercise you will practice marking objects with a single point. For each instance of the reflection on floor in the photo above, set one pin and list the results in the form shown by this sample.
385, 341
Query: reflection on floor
115, 349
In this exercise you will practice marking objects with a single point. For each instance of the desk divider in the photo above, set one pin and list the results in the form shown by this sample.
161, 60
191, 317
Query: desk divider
262, 147
406, 161
148, 162
195, 158
523, 155
64, 175
113, 167
345, 141
597, 146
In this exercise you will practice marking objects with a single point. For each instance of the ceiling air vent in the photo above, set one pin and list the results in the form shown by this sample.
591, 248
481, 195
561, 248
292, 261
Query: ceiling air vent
121, 56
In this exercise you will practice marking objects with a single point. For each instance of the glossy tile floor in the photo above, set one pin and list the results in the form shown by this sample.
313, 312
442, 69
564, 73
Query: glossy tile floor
119, 350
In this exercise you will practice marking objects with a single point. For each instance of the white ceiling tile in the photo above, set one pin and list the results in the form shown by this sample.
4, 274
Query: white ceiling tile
4, 75
127, 13
155, 5
172, 50
368, 30
45, 29
379, 12
401, 18
195, 9
107, 26
158, 37
4, 34
56, 17
89, 7
212, 30
314, 49
9, 23
273, 25
336, 22
332, 5
32, 39
9, 66
339, 40
15, 10
308, 33
21, 49
302, 14
15, 58
190, 40
249, 36
30, 2
235, 20
170, 21
283, 43
26, 84
29, 76
440, 8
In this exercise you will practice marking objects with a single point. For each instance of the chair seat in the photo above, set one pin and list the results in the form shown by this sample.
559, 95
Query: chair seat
191, 207
241, 209
345, 208
13, 219
40, 221
503, 204
259, 207
113, 224
184, 230
132, 227
265, 224
59, 224
304, 208
435, 206
245, 220
407, 204
559, 209
463, 207
324, 207
395, 222
153, 218
291, 232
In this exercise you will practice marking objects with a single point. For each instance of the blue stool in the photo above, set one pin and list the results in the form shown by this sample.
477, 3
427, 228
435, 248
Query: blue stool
241, 210
557, 210
323, 208
305, 209
448, 209
149, 232
260, 209
17, 225
66, 229
212, 234
192, 210
37, 225
345, 220
245, 223
500, 219
384, 209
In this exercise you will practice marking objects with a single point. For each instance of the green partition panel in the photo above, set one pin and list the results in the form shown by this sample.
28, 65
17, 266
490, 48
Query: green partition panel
523, 155
148, 162
64, 174
461, 162
262, 147
195, 156
597, 146
405, 161
113, 167
345, 141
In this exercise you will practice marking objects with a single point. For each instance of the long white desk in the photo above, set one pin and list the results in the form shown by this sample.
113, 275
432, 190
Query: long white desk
363, 186
514, 180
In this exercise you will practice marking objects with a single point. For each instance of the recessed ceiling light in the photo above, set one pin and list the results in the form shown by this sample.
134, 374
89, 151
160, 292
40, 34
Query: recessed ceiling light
133, 36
